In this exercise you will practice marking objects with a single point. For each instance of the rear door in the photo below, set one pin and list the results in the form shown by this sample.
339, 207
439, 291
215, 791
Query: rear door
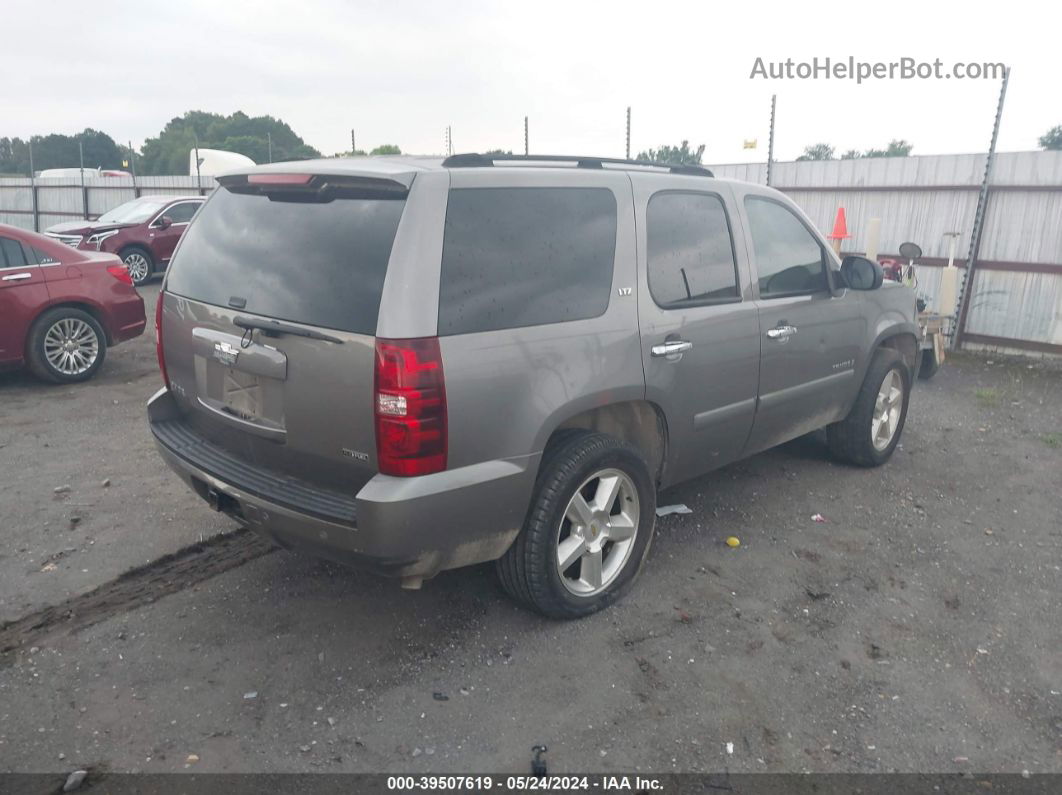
22, 294
810, 330
699, 328
311, 256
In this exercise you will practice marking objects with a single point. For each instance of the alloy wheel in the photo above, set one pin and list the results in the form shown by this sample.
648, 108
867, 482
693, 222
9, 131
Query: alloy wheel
887, 410
597, 534
71, 346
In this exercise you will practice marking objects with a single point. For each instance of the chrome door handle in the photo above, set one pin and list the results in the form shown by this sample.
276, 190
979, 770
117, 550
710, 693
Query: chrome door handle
671, 348
14, 277
781, 332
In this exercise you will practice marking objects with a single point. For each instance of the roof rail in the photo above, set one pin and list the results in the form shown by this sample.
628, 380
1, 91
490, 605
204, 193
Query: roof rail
476, 160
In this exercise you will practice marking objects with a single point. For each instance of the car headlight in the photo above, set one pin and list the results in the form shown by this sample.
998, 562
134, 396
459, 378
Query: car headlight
98, 238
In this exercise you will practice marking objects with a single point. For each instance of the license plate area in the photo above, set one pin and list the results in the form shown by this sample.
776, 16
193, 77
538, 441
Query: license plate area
242, 394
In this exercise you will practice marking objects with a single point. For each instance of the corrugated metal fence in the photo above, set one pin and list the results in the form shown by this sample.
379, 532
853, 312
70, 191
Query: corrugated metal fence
1016, 296
40, 203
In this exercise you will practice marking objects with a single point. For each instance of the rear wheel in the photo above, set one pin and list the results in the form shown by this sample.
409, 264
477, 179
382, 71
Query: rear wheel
588, 529
140, 264
869, 434
66, 345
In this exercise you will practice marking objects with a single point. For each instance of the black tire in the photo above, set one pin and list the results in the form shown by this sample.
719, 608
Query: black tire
929, 365
528, 571
850, 439
141, 277
36, 355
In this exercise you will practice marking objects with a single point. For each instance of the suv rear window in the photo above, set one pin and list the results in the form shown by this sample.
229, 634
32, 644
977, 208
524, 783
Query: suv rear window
516, 257
318, 263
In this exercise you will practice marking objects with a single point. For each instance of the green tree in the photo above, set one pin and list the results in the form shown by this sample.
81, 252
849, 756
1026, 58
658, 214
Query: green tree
167, 153
1052, 139
817, 152
386, 149
896, 148
851, 154
679, 155
59, 151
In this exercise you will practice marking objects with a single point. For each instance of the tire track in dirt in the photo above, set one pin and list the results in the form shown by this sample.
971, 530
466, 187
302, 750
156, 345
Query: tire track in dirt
135, 588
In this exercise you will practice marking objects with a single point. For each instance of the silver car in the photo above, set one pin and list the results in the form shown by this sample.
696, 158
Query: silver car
416, 365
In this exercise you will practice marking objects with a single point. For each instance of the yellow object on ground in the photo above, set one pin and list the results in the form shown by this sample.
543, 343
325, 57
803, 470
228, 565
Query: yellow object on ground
733, 541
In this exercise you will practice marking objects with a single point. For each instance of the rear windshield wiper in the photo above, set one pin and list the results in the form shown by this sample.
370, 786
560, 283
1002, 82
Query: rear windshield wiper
272, 328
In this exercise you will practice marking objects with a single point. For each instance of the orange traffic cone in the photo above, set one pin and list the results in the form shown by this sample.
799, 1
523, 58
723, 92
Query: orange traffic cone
840, 226
840, 230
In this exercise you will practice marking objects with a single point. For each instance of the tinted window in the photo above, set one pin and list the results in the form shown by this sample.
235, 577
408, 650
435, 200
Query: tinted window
12, 253
788, 258
319, 263
691, 254
517, 257
182, 213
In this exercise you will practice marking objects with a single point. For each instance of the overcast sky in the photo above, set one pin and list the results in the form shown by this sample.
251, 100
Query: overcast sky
399, 72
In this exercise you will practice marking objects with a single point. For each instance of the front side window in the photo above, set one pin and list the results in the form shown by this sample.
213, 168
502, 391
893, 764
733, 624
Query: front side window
515, 257
691, 253
182, 213
789, 259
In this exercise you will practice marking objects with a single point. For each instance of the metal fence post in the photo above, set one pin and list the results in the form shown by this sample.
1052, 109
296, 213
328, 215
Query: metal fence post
33, 192
966, 289
84, 190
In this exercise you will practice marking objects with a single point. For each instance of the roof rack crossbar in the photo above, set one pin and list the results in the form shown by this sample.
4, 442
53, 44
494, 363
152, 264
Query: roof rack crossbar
476, 160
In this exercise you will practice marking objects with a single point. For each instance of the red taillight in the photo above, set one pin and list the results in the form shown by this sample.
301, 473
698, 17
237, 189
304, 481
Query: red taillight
121, 273
410, 407
158, 339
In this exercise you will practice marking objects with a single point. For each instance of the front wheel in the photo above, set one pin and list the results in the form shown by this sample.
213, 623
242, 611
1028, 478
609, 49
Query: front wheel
139, 263
587, 531
869, 434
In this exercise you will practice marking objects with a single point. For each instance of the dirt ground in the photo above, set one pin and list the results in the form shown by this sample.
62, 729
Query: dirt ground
916, 629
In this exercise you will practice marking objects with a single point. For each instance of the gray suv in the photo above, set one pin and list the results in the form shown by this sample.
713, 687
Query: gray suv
415, 365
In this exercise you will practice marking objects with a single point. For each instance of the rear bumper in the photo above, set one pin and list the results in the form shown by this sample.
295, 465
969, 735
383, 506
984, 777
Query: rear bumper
403, 527
127, 318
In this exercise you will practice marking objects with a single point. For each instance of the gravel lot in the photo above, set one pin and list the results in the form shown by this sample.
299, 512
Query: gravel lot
916, 629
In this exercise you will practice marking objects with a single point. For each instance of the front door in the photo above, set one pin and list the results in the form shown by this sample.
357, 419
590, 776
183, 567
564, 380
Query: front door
810, 330
22, 293
164, 241
700, 334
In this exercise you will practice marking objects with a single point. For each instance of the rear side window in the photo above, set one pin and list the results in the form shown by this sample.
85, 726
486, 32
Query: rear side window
321, 263
691, 251
516, 257
11, 255
789, 260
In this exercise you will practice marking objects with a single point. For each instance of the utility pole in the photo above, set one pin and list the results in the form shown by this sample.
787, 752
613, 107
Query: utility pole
628, 132
770, 143
353, 148
132, 169
269, 140
526, 148
198, 178
84, 191
33, 190
979, 221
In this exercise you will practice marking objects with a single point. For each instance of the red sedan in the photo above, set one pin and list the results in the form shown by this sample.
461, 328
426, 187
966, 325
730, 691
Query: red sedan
60, 308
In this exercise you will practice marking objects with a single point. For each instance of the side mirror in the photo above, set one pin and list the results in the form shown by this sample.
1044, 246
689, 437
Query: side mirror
165, 222
910, 250
861, 273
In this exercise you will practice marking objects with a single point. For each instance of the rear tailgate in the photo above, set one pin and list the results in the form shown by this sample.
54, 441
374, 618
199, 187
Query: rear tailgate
269, 321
